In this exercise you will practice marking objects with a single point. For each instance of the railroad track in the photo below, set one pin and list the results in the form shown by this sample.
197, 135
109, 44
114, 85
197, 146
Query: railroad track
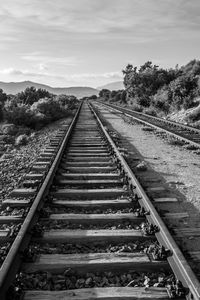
179, 131
83, 227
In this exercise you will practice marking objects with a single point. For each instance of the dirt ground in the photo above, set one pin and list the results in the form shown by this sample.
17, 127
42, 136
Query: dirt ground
178, 166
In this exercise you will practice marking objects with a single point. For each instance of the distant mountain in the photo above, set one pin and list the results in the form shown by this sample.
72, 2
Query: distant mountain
117, 85
78, 91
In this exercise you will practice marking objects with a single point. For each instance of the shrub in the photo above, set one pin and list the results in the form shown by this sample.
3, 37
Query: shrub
21, 140
9, 129
36, 116
67, 101
161, 100
31, 95
194, 115
150, 111
19, 115
143, 101
1, 112
188, 102
148, 128
183, 90
23, 130
197, 124
50, 108
176, 142
137, 108
94, 97
8, 139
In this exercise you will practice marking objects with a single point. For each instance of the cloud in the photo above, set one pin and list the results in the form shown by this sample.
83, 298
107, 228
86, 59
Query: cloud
94, 16
44, 59
108, 75
48, 39
25, 73
11, 71
136, 21
71, 77
42, 67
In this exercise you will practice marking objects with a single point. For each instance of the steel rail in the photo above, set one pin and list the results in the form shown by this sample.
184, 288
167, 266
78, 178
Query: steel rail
170, 132
190, 128
12, 261
177, 260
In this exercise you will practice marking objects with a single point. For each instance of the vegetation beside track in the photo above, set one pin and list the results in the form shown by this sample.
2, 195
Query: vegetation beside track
29, 111
160, 92
16, 161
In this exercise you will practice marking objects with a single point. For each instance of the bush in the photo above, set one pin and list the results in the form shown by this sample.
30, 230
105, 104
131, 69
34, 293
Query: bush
9, 129
94, 97
23, 116
67, 101
183, 90
150, 111
188, 102
148, 128
23, 130
143, 101
31, 95
175, 142
21, 140
197, 124
19, 115
194, 115
8, 139
161, 100
50, 108
36, 116
136, 108
1, 112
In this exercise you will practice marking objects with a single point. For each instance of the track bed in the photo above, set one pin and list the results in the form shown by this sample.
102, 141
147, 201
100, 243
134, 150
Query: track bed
89, 231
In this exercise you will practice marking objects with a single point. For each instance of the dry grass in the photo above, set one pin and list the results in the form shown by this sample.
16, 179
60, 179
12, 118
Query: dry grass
176, 142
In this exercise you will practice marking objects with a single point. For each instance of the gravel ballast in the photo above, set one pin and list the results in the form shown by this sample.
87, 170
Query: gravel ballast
15, 163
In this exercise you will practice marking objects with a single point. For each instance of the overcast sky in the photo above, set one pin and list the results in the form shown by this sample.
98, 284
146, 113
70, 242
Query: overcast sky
89, 42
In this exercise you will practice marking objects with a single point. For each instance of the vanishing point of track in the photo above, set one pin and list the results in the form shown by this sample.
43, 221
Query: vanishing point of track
81, 196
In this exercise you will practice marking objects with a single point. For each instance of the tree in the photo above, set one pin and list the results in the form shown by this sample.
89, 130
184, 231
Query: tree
113, 94
67, 101
183, 91
42, 93
144, 82
192, 68
128, 69
3, 98
123, 96
31, 95
105, 93
93, 97
118, 96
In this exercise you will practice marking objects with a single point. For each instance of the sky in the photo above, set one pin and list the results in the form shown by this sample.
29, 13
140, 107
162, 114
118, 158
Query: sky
89, 42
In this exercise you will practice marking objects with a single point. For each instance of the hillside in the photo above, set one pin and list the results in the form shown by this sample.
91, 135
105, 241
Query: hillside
189, 116
113, 86
173, 93
16, 87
